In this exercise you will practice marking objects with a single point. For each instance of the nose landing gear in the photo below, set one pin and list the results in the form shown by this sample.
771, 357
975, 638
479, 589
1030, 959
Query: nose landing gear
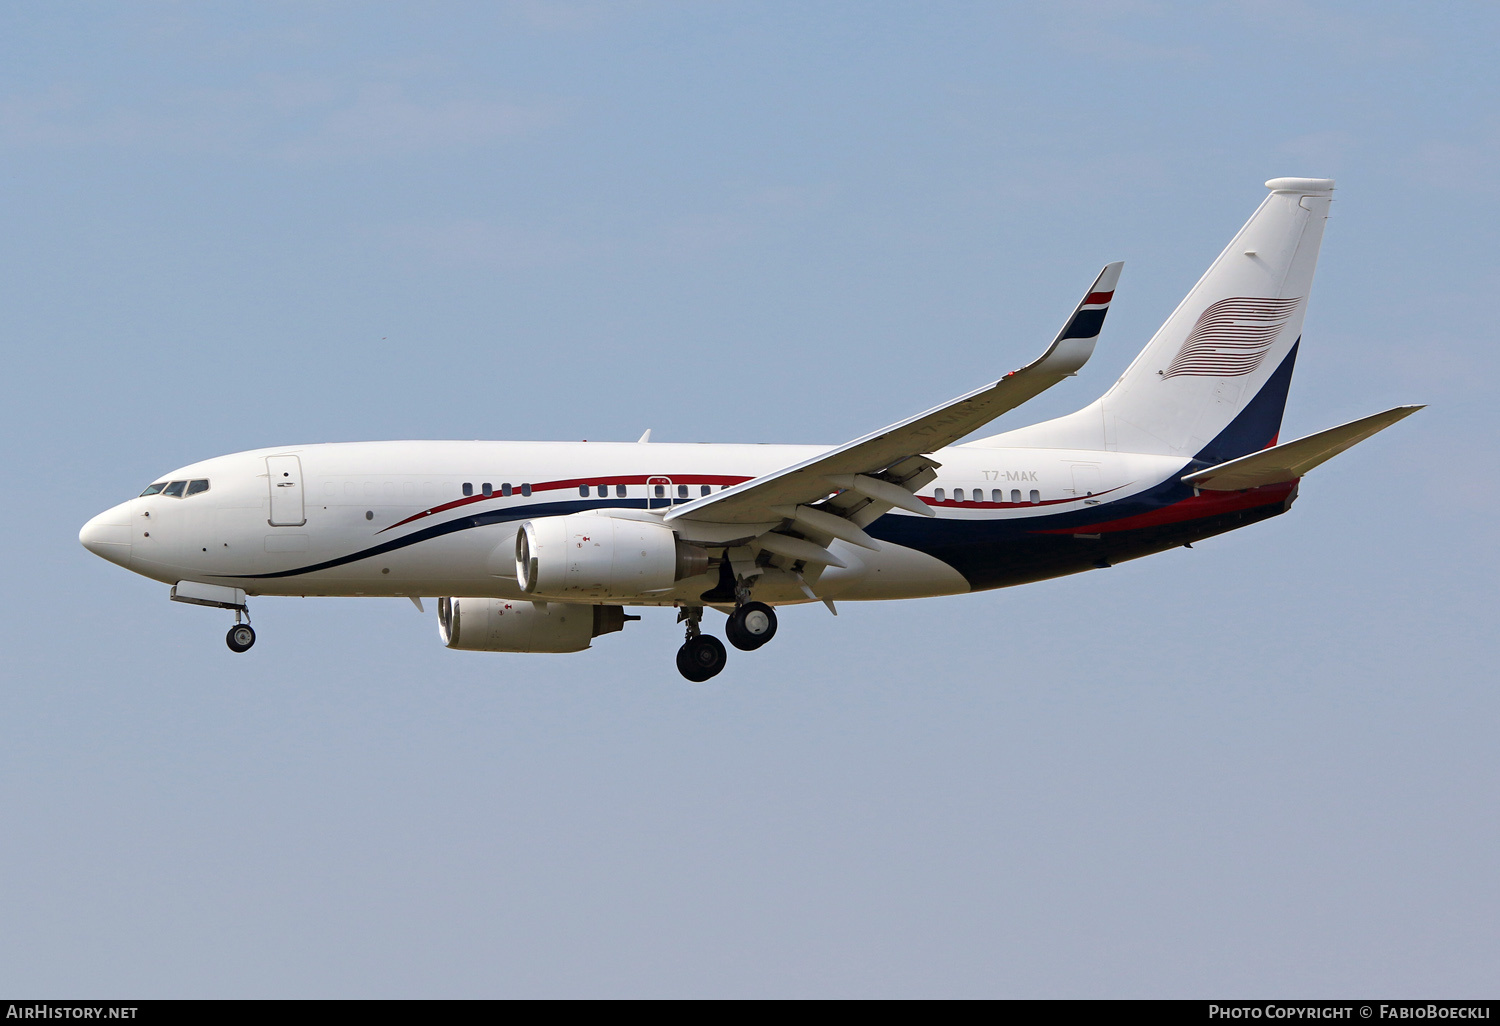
240, 637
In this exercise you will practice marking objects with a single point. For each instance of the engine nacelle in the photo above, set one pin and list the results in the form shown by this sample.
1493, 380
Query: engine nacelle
498, 625
588, 555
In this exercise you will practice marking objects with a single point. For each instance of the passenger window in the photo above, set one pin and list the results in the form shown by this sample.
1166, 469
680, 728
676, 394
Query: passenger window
619, 491
958, 495
194, 487
705, 489
468, 488
583, 490
1036, 496
526, 490
938, 494
174, 489
997, 495
1015, 495
505, 489
682, 491
661, 491
488, 489
152, 489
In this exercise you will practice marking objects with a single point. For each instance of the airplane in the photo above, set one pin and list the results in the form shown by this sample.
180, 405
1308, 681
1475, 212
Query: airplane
541, 546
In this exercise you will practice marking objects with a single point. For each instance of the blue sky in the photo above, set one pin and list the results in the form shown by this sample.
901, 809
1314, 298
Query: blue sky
1262, 767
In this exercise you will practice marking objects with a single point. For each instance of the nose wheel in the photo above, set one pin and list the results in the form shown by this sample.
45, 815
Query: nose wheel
240, 637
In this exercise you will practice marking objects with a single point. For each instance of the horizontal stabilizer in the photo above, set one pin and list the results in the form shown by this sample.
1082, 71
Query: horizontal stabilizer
1290, 461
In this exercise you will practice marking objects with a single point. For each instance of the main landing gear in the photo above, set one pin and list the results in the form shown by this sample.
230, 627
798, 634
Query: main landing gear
702, 656
751, 626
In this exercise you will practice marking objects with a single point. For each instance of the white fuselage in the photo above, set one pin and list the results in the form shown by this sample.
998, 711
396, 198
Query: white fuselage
394, 519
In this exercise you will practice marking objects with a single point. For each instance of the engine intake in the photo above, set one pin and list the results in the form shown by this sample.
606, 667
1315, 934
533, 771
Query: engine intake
588, 555
498, 625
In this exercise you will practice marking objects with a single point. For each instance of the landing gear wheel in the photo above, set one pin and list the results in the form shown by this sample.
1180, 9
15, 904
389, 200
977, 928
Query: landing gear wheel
751, 626
701, 658
240, 637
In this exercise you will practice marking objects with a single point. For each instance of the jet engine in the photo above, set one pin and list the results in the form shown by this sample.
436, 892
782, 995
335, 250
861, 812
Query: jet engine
588, 555
498, 625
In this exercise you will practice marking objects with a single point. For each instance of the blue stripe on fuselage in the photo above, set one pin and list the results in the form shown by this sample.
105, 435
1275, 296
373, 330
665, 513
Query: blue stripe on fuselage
464, 523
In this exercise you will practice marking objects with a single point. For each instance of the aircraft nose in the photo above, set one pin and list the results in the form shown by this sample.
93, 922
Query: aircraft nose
108, 535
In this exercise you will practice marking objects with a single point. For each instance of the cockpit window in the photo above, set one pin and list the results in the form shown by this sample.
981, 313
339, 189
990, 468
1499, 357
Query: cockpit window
194, 487
174, 489
153, 489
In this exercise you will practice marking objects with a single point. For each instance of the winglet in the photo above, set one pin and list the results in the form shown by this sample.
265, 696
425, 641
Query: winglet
1075, 342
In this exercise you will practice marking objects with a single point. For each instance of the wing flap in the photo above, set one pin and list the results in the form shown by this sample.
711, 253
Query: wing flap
1291, 460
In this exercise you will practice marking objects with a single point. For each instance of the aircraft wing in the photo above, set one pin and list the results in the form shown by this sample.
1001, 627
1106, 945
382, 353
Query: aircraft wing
884, 468
1289, 461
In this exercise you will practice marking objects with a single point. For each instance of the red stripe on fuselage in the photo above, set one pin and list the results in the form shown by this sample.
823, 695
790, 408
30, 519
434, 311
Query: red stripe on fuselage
575, 482
1202, 505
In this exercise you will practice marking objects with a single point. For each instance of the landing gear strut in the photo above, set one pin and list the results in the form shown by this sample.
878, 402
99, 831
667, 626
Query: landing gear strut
702, 655
750, 626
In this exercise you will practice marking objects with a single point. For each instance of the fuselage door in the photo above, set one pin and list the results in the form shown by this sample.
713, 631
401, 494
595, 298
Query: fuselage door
658, 493
285, 473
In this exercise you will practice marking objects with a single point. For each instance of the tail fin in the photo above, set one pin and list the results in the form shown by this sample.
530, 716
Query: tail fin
1212, 382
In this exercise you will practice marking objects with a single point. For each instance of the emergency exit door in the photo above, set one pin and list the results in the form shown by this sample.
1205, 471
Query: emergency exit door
285, 473
659, 492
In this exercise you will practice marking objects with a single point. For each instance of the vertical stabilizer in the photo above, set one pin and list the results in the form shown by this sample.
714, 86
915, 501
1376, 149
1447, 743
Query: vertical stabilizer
1212, 381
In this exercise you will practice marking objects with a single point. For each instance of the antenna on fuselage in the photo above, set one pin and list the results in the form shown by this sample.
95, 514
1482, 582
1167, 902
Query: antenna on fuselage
645, 437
